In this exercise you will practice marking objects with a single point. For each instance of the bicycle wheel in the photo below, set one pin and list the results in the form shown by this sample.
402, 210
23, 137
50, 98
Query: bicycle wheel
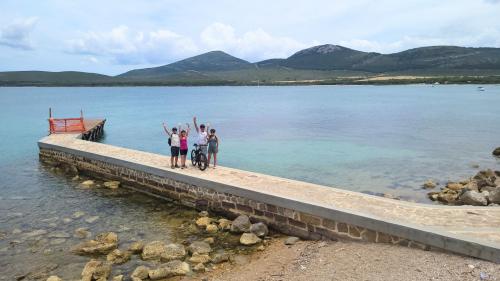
203, 163
193, 157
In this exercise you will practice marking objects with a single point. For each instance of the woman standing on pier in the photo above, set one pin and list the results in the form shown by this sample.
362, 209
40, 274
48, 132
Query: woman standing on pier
184, 145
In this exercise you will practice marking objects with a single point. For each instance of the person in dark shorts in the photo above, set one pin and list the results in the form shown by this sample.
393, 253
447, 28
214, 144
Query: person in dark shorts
175, 143
213, 146
184, 145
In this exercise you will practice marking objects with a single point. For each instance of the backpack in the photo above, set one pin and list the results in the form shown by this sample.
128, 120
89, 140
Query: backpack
169, 141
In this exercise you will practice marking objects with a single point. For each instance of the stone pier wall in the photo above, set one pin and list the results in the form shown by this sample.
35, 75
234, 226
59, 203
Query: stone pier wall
280, 218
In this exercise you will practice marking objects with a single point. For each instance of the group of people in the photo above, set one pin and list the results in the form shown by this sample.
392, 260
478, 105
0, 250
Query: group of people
208, 143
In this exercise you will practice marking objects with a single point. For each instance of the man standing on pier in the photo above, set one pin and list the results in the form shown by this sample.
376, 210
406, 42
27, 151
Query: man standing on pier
201, 141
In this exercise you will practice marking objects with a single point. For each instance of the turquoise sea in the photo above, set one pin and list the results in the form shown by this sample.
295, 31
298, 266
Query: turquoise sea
373, 139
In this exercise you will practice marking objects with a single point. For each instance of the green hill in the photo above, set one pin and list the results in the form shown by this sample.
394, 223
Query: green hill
207, 62
324, 64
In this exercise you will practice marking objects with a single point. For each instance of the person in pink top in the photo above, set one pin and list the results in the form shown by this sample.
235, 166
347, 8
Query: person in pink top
184, 145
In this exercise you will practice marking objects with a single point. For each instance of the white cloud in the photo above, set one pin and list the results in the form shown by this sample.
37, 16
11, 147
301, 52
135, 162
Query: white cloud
485, 38
253, 45
125, 46
17, 34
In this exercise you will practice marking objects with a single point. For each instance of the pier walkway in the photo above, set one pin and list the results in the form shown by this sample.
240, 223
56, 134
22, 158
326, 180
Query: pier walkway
468, 230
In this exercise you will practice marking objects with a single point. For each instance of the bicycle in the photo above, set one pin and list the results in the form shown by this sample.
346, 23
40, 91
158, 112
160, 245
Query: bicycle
198, 157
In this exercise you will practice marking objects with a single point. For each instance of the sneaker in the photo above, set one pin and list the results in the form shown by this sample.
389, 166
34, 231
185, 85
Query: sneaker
172, 167
177, 166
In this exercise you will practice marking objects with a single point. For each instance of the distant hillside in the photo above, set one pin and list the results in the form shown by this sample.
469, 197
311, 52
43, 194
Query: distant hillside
207, 62
445, 59
324, 64
46, 77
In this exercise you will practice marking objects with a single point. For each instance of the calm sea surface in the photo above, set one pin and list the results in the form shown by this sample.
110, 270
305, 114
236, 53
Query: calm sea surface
374, 139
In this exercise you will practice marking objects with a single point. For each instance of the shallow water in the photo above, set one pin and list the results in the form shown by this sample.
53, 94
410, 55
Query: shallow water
375, 139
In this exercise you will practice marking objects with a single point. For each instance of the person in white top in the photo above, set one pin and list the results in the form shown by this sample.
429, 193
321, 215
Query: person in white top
202, 136
175, 144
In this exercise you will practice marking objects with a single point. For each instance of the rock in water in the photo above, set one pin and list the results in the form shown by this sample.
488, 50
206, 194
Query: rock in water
212, 229
54, 278
118, 257
173, 252
169, 269
141, 272
87, 183
473, 198
102, 244
118, 278
224, 224
82, 233
198, 258
199, 247
136, 247
496, 152
291, 240
259, 229
454, 186
96, 270
429, 184
241, 224
203, 214
248, 239
203, 221
153, 250
112, 184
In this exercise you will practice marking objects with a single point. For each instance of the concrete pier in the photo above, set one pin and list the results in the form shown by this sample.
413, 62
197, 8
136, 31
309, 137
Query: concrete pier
293, 207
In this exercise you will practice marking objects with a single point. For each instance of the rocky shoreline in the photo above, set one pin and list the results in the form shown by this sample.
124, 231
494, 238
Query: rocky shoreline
483, 189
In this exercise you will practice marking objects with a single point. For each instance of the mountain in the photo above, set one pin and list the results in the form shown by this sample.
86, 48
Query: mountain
324, 64
425, 59
207, 62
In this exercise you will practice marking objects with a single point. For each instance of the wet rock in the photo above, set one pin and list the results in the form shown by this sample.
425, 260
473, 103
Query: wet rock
118, 257
170, 269
291, 240
494, 196
199, 267
91, 219
448, 196
429, 184
433, 195
54, 278
248, 239
173, 252
454, 186
259, 229
474, 198
87, 183
118, 278
203, 221
78, 214
112, 184
220, 257
211, 229
59, 234
75, 178
209, 240
241, 224
40, 272
153, 250
96, 270
141, 272
496, 152
199, 247
485, 178
67, 220
199, 258
224, 224
82, 233
136, 247
203, 214
102, 244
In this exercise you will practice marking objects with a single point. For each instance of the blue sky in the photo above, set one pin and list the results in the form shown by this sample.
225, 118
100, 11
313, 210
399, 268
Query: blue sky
112, 37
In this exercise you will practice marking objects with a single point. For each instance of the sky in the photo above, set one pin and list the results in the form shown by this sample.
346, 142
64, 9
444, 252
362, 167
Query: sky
112, 37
